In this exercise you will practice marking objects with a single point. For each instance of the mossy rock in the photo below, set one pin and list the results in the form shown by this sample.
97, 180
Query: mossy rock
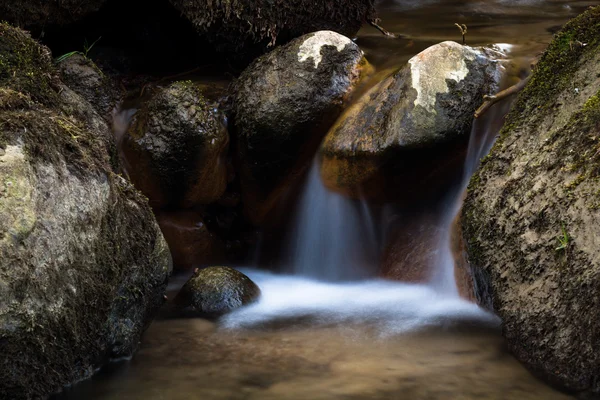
532, 215
83, 265
37, 14
236, 27
176, 148
216, 291
283, 104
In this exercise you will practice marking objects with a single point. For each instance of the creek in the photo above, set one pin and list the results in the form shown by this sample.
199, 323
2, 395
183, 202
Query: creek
329, 327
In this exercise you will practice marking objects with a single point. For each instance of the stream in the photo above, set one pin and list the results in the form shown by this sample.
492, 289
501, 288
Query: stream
329, 327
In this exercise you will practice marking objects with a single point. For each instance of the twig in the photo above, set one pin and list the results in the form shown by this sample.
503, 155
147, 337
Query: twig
491, 100
375, 24
463, 31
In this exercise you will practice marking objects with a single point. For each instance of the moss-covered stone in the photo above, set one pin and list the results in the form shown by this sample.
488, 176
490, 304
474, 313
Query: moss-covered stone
216, 291
176, 148
235, 25
531, 216
36, 13
283, 104
26, 66
83, 265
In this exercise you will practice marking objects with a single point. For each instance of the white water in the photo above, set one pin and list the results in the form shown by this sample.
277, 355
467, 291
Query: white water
389, 307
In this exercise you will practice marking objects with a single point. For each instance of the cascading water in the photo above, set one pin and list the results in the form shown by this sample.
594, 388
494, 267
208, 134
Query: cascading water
483, 135
334, 238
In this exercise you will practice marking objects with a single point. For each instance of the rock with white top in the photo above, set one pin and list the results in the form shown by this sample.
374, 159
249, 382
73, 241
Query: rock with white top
427, 104
283, 104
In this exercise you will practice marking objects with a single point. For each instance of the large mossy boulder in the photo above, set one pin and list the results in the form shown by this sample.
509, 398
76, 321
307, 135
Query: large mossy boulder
83, 265
216, 291
39, 13
531, 219
234, 26
410, 121
283, 104
176, 148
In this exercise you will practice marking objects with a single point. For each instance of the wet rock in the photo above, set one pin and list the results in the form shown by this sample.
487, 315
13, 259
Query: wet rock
83, 264
216, 291
35, 13
531, 217
428, 104
192, 244
283, 104
175, 149
82, 76
237, 26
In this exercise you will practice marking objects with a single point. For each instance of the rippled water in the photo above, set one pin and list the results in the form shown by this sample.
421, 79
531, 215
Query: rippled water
363, 340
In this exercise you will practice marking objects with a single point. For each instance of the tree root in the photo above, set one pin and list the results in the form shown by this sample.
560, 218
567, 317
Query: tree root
375, 24
491, 100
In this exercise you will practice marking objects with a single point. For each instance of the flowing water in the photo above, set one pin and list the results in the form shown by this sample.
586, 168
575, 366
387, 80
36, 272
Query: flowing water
330, 329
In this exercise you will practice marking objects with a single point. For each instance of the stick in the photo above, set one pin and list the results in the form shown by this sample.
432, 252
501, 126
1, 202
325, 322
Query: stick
491, 100
374, 24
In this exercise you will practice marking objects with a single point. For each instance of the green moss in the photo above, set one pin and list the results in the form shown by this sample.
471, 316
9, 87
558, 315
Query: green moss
25, 66
579, 37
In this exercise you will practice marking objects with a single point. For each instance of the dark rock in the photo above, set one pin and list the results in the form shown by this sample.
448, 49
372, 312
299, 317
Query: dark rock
427, 104
83, 265
531, 219
236, 26
175, 148
191, 242
36, 13
216, 291
82, 76
283, 103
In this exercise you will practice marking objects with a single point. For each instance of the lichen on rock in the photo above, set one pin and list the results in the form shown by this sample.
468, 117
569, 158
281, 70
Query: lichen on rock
532, 214
283, 103
83, 265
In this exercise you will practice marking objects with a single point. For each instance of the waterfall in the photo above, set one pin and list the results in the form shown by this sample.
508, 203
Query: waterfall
483, 136
334, 238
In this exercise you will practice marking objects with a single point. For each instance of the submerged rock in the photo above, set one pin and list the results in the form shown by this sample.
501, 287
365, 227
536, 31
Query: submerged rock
235, 26
83, 265
427, 104
175, 148
283, 103
216, 291
531, 219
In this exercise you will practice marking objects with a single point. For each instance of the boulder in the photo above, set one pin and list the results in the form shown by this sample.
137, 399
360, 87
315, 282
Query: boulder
216, 291
411, 121
176, 147
283, 104
83, 265
531, 219
236, 26
36, 13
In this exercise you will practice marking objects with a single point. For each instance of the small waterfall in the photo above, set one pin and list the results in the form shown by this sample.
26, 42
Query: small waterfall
483, 136
334, 238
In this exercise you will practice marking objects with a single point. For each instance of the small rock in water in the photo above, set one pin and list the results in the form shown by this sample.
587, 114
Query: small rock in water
216, 291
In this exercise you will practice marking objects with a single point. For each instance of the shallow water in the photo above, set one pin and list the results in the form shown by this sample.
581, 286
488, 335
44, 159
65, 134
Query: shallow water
312, 340
370, 339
